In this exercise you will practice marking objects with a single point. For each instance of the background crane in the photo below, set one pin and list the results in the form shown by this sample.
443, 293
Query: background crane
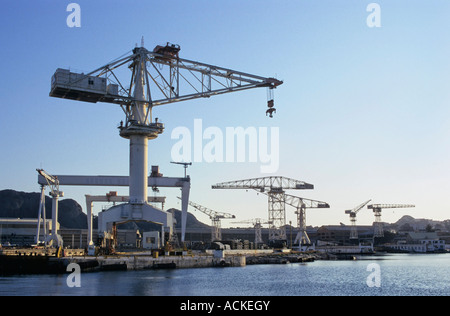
274, 188
216, 228
257, 224
301, 204
352, 213
172, 79
378, 229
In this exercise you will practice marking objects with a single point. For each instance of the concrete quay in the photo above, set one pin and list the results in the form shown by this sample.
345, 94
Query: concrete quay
142, 262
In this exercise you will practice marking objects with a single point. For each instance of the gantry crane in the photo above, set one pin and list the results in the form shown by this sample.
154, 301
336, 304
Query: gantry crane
378, 229
274, 188
216, 217
257, 224
352, 213
54, 239
173, 79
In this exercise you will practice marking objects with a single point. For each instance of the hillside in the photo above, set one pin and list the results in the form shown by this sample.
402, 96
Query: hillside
410, 223
16, 204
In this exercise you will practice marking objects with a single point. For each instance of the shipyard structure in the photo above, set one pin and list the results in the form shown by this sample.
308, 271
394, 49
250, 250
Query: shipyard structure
160, 77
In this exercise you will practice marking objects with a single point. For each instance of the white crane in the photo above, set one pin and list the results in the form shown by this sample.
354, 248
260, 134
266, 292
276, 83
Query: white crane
273, 187
378, 229
54, 239
352, 213
216, 217
173, 79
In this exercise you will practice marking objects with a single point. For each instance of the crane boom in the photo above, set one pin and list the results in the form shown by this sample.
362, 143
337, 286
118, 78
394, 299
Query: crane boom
216, 232
265, 183
381, 206
211, 213
175, 79
355, 211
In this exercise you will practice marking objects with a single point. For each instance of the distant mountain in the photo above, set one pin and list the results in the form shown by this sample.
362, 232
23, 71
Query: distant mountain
16, 204
410, 223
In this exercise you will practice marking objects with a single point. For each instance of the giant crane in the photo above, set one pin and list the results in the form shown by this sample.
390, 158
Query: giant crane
352, 213
378, 229
216, 217
274, 186
173, 79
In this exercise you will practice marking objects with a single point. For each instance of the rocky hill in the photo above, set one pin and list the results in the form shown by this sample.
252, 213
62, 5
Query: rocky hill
16, 204
409, 223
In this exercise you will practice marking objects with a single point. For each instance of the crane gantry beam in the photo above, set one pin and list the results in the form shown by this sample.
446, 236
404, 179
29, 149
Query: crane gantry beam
274, 187
378, 229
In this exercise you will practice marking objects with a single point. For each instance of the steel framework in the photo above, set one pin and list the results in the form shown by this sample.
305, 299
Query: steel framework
352, 213
378, 225
301, 204
216, 217
274, 188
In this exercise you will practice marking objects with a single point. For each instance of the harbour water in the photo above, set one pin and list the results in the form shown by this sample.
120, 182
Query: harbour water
397, 275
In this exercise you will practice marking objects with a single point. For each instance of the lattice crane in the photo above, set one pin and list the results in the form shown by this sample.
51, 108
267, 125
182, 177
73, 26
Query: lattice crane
301, 204
274, 187
216, 217
257, 224
352, 213
378, 229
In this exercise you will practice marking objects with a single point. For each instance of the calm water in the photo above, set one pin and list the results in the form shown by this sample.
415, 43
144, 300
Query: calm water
399, 274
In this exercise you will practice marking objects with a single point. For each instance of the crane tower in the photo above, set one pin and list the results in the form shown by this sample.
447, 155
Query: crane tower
378, 229
275, 187
173, 79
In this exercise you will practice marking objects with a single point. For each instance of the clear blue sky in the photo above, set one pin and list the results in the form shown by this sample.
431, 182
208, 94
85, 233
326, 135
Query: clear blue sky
363, 112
